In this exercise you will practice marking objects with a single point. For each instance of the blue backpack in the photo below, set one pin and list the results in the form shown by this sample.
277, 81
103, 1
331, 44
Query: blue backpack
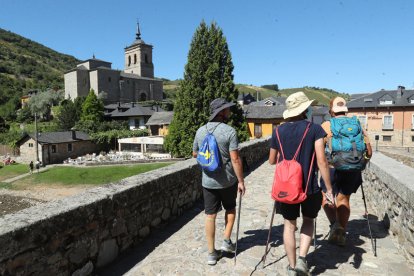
347, 145
209, 154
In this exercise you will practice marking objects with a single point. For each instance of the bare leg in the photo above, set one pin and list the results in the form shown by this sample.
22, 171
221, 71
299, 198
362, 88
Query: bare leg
330, 210
343, 209
211, 231
229, 217
289, 241
306, 232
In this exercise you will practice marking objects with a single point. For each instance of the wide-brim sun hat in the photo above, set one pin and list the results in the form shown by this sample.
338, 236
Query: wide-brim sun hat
296, 104
218, 105
339, 105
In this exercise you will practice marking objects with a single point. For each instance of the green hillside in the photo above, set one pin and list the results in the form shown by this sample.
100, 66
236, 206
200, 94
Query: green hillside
25, 65
322, 95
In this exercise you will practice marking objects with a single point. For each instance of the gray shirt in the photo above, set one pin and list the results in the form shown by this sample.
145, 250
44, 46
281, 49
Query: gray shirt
226, 137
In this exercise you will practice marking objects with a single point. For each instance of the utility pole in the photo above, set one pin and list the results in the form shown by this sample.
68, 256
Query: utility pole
36, 137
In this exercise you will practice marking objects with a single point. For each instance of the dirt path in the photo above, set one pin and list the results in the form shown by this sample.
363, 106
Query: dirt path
12, 201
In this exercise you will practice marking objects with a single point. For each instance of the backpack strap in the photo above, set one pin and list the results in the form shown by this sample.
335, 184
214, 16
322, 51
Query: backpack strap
297, 151
310, 171
213, 128
301, 142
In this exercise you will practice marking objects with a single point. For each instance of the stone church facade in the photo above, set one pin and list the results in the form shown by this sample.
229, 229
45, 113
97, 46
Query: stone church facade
135, 83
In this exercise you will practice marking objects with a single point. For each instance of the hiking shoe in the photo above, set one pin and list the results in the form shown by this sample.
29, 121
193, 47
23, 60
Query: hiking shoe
341, 237
212, 258
333, 236
291, 271
228, 246
302, 267
337, 236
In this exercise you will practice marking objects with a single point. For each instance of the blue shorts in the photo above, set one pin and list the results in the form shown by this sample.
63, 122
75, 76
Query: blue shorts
343, 182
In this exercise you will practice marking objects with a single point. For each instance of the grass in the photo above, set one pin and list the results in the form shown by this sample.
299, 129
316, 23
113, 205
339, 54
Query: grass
73, 176
12, 170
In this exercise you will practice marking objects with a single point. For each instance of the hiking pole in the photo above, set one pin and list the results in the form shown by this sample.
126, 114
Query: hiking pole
314, 233
268, 236
238, 225
369, 226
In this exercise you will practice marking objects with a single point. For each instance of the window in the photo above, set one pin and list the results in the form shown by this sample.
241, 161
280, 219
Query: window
257, 130
69, 147
386, 138
385, 102
387, 122
129, 60
143, 97
53, 148
363, 120
146, 58
412, 122
412, 138
109, 79
30, 145
135, 59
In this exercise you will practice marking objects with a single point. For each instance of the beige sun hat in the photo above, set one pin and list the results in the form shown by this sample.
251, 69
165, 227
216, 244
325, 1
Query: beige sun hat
339, 105
296, 104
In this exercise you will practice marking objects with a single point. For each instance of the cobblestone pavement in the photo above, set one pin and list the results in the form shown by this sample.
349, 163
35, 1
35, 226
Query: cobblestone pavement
180, 248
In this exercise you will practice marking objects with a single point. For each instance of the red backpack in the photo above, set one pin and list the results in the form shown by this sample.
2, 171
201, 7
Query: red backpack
287, 182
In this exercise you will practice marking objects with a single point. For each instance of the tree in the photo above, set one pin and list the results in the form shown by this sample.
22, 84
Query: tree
92, 108
66, 115
208, 75
42, 102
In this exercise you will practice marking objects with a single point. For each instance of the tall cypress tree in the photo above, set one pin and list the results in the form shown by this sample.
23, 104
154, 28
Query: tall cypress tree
208, 75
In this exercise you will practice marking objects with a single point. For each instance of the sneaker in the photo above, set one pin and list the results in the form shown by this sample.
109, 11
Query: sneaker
291, 271
212, 258
228, 246
302, 267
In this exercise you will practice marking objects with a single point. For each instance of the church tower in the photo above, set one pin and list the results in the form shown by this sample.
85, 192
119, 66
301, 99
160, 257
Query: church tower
138, 57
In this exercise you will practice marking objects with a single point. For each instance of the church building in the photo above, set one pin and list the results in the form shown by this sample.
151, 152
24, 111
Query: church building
135, 83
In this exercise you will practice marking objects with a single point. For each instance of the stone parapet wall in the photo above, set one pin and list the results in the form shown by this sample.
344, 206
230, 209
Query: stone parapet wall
76, 235
389, 191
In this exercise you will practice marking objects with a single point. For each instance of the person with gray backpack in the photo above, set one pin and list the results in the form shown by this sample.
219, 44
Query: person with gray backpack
217, 151
348, 150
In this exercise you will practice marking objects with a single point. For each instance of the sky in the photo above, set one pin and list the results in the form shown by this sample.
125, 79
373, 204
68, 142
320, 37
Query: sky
350, 46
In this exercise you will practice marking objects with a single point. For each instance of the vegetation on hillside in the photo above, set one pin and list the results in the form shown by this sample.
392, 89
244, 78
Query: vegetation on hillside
26, 65
208, 75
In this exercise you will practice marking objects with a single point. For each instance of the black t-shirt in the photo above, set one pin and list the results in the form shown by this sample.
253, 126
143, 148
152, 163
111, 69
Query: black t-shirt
290, 135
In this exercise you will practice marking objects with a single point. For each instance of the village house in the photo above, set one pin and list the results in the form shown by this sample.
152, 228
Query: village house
54, 147
387, 115
136, 114
159, 122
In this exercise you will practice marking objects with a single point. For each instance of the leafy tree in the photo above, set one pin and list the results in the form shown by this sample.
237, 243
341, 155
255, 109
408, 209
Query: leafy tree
24, 115
42, 102
208, 75
92, 108
67, 115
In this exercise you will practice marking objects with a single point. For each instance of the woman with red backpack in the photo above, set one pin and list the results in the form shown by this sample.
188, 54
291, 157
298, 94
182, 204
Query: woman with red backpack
299, 141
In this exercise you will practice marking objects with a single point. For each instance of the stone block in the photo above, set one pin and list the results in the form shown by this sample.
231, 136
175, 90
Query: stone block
155, 222
87, 269
143, 232
166, 214
107, 252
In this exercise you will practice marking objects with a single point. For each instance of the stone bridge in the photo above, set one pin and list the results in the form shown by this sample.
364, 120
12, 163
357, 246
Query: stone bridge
153, 224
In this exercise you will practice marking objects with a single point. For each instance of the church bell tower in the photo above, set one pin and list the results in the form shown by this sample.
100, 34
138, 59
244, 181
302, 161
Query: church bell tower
138, 57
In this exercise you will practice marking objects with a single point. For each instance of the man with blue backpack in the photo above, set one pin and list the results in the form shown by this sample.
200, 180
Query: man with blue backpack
217, 151
348, 150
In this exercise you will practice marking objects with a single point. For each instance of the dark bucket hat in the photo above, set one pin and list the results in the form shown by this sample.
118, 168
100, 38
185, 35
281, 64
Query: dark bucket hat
218, 105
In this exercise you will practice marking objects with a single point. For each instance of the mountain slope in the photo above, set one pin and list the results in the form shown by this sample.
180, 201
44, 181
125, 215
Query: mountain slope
322, 95
25, 65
